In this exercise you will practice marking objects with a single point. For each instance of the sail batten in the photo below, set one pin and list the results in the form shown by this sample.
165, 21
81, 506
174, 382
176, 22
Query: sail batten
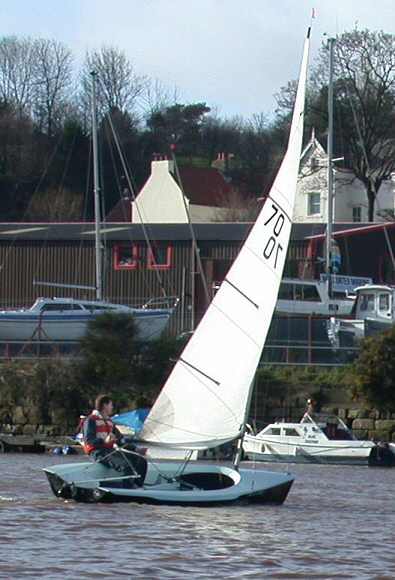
241, 292
203, 402
199, 371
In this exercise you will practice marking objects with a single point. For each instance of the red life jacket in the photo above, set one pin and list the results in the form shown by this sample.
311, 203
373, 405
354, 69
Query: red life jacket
103, 428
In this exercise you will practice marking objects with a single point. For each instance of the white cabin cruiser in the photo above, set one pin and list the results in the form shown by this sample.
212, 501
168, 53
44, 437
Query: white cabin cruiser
66, 319
373, 312
317, 438
297, 296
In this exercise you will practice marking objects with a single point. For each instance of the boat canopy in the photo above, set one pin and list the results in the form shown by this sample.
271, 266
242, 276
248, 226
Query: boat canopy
132, 419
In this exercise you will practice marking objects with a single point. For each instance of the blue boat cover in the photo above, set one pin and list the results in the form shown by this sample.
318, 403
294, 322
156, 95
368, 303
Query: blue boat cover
133, 419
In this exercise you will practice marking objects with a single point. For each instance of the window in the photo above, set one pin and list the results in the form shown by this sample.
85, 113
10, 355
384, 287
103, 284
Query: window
273, 431
366, 302
384, 302
60, 307
286, 291
97, 307
159, 257
357, 213
310, 293
307, 293
339, 295
126, 257
313, 203
291, 433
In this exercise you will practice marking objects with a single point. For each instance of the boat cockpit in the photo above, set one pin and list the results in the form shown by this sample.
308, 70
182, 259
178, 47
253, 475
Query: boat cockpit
331, 425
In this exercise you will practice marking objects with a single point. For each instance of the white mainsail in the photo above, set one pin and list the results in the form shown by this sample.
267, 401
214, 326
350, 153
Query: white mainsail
203, 402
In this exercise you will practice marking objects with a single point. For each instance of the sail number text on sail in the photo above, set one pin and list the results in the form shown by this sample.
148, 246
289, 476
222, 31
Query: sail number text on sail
273, 247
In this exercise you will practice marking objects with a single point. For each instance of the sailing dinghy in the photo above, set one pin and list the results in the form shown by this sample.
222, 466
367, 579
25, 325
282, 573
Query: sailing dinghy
205, 400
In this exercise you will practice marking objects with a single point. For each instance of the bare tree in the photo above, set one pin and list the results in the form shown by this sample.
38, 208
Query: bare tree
157, 97
16, 72
17, 150
53, 64
364, 66
119, 85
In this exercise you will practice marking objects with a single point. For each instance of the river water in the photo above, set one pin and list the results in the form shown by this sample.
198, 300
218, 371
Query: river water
337, 522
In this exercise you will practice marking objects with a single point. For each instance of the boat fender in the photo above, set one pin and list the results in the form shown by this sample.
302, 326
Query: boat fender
67, 450
97, 494
64, 491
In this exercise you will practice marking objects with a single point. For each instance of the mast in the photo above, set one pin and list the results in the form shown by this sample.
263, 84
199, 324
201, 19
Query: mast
329, 224
96, 192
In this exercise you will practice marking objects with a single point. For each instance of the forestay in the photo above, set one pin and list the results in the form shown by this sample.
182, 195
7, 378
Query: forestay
203, 403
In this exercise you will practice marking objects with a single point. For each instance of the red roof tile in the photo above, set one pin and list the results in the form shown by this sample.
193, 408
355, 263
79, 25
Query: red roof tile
204, 186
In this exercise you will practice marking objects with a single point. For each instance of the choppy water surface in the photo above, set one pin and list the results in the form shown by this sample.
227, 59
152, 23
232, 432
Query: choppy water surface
338, 522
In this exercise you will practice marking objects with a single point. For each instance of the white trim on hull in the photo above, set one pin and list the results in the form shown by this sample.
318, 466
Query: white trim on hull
301, 456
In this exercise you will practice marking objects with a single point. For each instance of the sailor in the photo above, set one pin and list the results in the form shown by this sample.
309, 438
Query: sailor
98, 429
310, 407
100, 442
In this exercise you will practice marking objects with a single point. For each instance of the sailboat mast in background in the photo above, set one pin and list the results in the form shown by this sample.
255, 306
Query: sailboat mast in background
329, 224
96, 192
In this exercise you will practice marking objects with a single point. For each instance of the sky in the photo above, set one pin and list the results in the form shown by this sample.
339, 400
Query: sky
233, 55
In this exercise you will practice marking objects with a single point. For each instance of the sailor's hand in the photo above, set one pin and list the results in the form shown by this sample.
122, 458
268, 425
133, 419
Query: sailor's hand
110, 438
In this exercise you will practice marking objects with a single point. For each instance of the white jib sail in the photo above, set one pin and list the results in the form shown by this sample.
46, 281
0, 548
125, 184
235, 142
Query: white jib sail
203, 402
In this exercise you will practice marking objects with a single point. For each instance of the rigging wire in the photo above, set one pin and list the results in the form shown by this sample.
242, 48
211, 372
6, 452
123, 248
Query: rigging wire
36, 189
43, 176
84, 214
362, 145
110, 143
132, 191
192, 232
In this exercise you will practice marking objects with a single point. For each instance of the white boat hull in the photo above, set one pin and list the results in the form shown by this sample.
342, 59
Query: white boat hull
199, 484
22, 326
332, 452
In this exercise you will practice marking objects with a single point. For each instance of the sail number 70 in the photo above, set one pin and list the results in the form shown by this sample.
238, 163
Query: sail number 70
272, 245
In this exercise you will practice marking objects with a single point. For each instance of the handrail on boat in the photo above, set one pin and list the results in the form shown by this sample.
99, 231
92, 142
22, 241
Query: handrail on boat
162, 302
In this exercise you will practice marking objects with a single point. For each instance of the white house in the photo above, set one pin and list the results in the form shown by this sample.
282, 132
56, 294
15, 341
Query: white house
350, 199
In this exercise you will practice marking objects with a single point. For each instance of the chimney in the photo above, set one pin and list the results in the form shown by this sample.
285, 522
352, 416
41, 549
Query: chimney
161, 165
220, 162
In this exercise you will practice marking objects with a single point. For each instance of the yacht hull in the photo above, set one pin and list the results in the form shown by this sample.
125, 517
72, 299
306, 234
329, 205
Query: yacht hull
26, 327
270, 452
200, 484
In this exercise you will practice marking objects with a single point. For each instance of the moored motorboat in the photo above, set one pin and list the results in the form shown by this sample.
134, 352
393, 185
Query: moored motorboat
317, 438
373, 312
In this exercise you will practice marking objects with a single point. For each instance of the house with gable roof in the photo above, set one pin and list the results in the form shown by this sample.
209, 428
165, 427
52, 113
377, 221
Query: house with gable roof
350, 200
208, 197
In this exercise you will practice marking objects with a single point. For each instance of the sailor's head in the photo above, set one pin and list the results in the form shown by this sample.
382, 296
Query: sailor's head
104, 405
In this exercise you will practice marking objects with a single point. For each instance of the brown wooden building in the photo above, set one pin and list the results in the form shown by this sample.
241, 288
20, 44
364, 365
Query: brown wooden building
134, 273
